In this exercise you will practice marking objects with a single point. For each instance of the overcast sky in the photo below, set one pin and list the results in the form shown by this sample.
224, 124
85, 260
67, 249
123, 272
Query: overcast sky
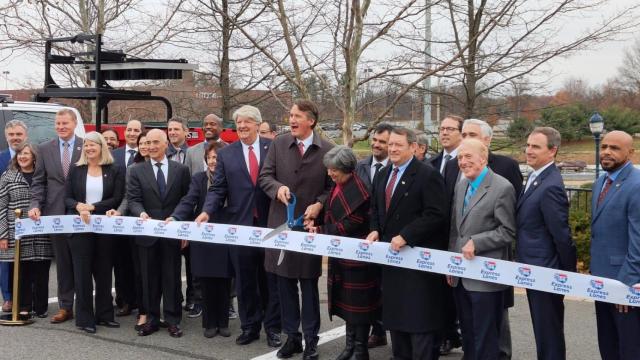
595, 66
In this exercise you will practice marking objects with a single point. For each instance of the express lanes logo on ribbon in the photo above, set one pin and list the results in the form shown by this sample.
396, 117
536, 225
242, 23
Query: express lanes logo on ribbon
523, 276
334, 248
231, 235
424, 261
393, 257
363, 252
57, 224
560, 283
308, 243
138, 226
117, 226
96, 222
634, 294
454, 266
256, 237
596, 289
184, 231
207, 233
281, 240
160, 228
488, 271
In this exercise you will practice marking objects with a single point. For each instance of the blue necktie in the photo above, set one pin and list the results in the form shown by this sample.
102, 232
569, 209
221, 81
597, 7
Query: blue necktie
467, 197
162, 185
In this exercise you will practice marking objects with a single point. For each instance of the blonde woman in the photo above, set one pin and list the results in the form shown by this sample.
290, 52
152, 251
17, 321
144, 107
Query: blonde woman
93, 186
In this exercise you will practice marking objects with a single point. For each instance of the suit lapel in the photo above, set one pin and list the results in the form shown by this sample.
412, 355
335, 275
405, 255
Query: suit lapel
612, 190
171, 176
55, 151
77, 149
536, 183
460, 189
480, 193
402, 185
147, 171
239, 154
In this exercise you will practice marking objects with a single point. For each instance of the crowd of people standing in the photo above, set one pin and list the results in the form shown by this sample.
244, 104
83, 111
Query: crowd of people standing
465, 199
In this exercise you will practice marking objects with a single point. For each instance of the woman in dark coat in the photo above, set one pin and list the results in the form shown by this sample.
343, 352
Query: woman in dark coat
210, 263
36, 251
93, 186
353, 286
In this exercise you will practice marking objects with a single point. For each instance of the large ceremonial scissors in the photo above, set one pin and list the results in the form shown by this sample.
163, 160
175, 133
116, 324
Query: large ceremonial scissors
292, 222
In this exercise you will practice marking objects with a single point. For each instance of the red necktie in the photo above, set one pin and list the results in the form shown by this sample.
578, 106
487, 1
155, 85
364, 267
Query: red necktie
389, 190
605, 190
301, 148
253, 166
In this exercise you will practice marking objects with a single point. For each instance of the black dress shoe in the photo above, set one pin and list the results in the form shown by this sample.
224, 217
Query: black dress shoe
273, 339
138, 327
174, 331
311, 349
224, 332
163, 324
247, 337
291, 347
88, 329
109, 324
147, 329
125, 310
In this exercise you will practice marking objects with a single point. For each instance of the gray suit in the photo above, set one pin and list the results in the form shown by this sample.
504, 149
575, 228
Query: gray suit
47, 194
489, 220
195, 158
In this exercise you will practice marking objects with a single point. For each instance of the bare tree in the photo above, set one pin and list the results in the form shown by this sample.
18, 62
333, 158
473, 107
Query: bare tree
347, 45
507, 39
629, 72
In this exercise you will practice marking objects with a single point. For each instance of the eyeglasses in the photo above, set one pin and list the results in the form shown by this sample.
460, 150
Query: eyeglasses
448, 129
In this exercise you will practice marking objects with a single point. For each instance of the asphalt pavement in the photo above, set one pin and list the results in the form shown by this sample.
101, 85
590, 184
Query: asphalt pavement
43, 340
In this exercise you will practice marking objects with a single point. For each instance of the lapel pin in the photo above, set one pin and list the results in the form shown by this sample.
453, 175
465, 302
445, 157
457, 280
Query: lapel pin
617, 185
402, 182
535, 183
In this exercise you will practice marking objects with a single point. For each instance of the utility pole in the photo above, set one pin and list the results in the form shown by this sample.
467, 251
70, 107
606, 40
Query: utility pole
427, 121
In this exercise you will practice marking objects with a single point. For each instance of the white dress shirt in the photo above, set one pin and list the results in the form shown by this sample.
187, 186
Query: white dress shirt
373, 166
165, 168
127, 154
256, 150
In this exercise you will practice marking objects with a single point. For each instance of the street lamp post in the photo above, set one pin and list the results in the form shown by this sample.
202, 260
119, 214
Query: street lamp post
596, 125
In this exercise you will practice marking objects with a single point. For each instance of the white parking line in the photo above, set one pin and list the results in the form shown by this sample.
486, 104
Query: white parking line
325, 337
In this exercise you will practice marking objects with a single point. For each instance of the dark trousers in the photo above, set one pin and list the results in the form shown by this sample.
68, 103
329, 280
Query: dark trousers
547, 316
6, 280
194, 291
64, 270
450, 331
617, 332
123, 271
291, 310
215, 302
413, 346
34, 286
137, 277
480, 316
92, 256
160, 269
257, 291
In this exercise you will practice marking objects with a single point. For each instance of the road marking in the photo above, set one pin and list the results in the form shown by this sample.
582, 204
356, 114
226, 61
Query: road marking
325, 337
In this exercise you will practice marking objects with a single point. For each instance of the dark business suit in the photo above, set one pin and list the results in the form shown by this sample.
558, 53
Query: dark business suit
615, 254
92, 254
257, 290
123, 252
210, 263
544, 239
5, 159
159, 258
47, 194
413, 302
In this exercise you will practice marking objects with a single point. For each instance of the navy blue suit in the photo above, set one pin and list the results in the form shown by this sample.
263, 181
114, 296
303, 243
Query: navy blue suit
544, 239
257, 291
5, 159
615, 254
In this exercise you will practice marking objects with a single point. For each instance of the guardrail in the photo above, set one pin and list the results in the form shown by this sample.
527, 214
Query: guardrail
579, 199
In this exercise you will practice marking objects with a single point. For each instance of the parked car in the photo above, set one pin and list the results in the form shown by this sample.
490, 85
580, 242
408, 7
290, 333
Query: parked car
575, 165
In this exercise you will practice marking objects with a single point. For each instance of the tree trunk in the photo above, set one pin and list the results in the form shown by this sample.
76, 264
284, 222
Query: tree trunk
225, 87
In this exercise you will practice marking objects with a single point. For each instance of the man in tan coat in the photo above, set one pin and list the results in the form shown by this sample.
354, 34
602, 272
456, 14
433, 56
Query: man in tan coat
294, 165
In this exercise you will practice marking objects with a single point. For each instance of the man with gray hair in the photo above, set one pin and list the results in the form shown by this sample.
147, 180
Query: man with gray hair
510, 170
15, 132
423, 146
235, 182
211, 126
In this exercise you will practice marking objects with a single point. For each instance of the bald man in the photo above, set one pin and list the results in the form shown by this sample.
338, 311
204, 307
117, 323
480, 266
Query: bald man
211, 127
154, 189
615, 244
